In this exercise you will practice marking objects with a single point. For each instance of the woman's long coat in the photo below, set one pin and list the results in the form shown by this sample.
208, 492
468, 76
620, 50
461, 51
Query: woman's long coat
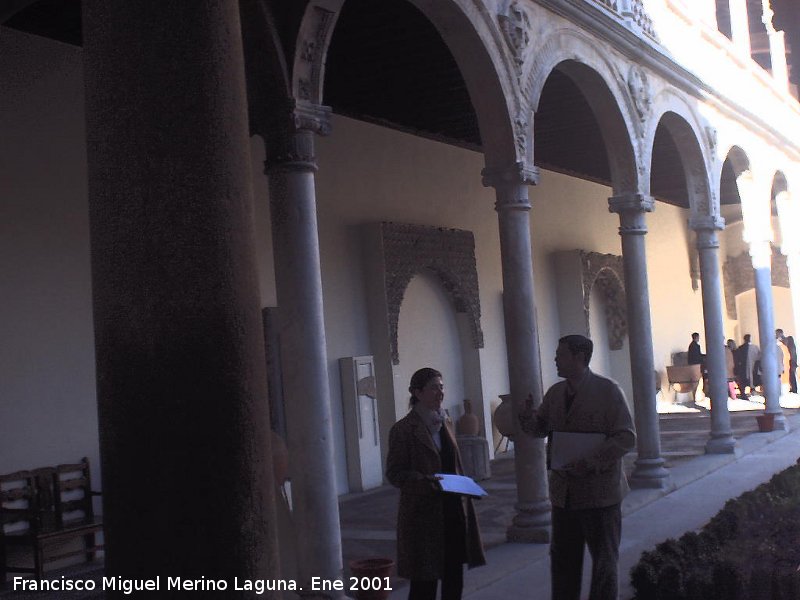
420, 522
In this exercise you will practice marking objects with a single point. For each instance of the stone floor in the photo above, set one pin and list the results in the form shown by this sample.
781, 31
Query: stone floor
368, 519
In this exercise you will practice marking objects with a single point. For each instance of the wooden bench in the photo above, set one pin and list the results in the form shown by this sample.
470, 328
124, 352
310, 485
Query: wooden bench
42, 509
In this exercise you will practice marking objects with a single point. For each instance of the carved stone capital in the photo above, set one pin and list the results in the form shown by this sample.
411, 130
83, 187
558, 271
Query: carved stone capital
707, 239
706, 222
290, 139
628, 203
516, 174
311, 117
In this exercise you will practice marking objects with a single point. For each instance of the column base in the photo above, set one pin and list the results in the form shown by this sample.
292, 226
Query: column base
780, 422
721, 443
531, 524
649, 473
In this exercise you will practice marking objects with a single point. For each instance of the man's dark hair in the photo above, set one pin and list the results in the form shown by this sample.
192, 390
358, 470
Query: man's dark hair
577, 344
746, 338
695, 335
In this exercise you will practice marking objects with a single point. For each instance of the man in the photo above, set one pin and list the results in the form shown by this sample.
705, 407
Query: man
748, 355
586, 494
783, 359
693, 355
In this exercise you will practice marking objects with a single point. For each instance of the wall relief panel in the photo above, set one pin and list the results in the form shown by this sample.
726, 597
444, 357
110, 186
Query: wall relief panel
448, 253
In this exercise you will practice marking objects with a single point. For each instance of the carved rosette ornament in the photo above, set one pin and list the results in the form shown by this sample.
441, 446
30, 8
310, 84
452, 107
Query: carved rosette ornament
516, 26
639, 89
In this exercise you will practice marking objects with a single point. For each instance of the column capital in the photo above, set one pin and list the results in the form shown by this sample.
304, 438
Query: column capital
289, 139
707, 239
631, 203
706, 222
761, 254
517, 174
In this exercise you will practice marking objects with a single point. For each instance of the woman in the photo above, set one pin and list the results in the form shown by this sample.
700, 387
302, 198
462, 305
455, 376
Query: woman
437, 532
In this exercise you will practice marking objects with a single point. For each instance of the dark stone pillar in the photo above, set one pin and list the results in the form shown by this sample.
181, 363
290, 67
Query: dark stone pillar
180, 356
531, 523
291, 166
649, 471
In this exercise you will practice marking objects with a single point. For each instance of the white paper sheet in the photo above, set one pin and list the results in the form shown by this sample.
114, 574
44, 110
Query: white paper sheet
569, 446
460, 484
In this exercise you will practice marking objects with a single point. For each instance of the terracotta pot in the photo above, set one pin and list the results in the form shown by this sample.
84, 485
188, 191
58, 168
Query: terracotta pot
468, 424
373, 578
766, 422
503, 416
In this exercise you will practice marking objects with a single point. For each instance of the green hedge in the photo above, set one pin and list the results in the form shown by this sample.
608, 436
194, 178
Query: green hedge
749, 551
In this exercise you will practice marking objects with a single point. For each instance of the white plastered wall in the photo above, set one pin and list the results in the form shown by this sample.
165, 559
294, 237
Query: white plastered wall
48, 411
366, 174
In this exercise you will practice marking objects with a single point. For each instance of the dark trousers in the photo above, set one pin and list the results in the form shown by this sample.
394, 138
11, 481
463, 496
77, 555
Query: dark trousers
597, 528
452, 583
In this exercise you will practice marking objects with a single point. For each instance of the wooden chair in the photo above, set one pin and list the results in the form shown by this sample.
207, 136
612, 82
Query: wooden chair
44, 508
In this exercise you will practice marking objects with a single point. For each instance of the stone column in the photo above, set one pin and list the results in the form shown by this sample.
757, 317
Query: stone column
793, 266
532, 521
649, 471
777, 48
181, 384
291, 165
761, 254
721, 439
740, 26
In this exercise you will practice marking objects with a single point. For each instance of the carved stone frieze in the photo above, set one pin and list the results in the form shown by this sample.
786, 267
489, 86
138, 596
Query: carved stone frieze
739, 276
606, 272
447, 253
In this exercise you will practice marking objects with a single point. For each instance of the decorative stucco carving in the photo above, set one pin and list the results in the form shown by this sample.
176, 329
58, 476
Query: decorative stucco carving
606, 272
516, 27
639, 88
642, 19
711, 139
448, 253
310, 51
521, 134
739, 276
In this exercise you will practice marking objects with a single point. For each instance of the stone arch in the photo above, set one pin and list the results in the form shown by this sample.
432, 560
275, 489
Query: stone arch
605, 272
266, 68
784, 209
682, 124
447, 253
473, 36
614, 98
